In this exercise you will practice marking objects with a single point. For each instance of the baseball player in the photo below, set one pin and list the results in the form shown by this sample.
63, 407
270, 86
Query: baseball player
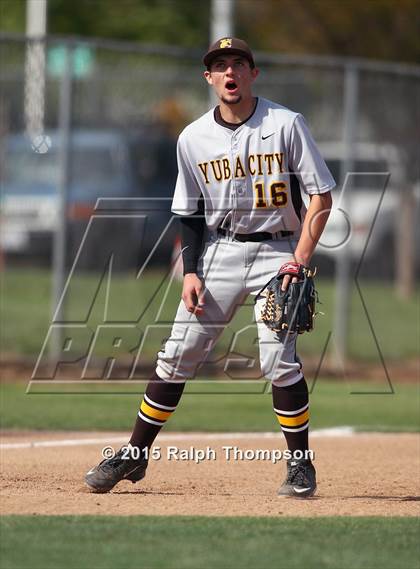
241, 169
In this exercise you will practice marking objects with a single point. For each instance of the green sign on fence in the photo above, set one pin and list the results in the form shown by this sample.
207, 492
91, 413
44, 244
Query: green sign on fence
82, 60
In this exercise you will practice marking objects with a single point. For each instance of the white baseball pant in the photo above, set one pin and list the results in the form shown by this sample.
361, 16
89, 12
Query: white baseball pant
231, 271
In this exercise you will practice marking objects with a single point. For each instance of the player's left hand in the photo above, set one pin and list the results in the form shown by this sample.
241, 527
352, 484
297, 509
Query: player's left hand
292, 309
287, 280
292, 272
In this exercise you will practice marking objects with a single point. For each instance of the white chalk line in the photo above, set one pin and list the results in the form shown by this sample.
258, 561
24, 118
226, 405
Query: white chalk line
170, 437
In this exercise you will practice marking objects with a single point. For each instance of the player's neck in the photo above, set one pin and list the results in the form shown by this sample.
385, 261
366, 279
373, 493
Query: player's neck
238, 112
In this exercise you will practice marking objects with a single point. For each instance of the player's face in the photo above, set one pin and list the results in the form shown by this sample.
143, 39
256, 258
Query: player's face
231, 77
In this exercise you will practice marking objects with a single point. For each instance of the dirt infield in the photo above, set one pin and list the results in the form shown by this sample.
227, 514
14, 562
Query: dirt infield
360, 475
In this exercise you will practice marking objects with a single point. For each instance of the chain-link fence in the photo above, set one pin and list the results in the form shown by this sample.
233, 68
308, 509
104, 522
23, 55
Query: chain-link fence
82, 120
140, 97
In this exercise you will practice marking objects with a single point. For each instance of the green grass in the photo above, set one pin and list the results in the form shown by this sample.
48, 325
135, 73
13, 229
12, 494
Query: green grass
26, 313
94, 542
332, 404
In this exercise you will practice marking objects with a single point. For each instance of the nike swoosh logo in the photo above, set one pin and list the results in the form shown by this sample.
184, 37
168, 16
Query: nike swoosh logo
300, 490
268, 136
91, 471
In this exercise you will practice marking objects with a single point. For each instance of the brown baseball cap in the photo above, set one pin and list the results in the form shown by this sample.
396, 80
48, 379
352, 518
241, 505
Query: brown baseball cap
228, 45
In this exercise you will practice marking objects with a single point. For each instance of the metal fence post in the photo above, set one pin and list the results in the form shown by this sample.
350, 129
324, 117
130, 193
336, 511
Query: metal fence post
405, 265
59, 242
34, 98
221, 25
343, 261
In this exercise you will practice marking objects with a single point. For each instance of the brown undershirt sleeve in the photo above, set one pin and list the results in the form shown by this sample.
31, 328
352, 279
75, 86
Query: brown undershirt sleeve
193, 229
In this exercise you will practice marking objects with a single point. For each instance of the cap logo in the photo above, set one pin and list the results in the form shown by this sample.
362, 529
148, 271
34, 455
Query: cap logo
227, 42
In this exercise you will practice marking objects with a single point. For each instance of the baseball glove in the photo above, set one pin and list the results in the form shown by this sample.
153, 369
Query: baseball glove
291, 310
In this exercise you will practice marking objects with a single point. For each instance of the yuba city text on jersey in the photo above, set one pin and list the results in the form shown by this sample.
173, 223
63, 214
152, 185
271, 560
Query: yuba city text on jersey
255, 164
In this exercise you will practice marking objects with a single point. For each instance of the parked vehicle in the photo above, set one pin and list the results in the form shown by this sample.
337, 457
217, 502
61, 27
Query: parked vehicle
371, 201
109, 166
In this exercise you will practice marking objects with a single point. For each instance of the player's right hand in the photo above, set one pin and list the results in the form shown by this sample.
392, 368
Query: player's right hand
192, 293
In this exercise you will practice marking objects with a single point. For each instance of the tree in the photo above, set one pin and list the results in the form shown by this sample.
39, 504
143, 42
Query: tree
378, 29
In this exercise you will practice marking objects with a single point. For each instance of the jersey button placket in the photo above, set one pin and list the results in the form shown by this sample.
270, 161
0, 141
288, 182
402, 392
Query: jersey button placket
239, 188
233, 190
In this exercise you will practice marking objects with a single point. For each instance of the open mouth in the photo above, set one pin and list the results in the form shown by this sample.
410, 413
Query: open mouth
231, 86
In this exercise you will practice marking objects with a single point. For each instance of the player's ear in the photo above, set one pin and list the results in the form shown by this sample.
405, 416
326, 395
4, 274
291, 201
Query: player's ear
255, 71
207, 76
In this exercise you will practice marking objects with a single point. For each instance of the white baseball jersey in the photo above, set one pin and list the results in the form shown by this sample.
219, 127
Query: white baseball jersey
251, 178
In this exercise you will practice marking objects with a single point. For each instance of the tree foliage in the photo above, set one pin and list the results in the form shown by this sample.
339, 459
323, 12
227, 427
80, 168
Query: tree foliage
378, 29
381, 29
178, 22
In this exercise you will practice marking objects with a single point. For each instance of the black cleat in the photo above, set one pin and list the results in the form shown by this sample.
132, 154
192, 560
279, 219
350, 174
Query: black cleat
300, 480
110, 471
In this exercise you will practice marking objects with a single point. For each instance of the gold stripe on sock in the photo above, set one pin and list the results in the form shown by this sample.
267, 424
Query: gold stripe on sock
294, 421
151, 412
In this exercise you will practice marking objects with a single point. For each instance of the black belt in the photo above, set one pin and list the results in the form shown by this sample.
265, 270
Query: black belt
260, 236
